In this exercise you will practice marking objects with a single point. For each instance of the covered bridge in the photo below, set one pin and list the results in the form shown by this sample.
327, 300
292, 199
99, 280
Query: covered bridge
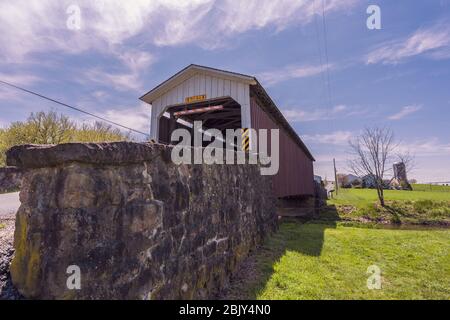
228, 100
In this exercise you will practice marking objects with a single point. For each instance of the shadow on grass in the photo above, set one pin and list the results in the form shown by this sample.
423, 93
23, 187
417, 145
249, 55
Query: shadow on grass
294, 235
308, 236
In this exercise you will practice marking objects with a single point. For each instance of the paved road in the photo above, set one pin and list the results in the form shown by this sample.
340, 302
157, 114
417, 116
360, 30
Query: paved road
9, 203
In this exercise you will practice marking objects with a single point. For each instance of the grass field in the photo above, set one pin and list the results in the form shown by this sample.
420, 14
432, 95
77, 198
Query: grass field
364, 196
427, 187
325, 261
328, 257
411, 207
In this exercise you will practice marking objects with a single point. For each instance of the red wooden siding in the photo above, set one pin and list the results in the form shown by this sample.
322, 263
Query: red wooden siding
295, 175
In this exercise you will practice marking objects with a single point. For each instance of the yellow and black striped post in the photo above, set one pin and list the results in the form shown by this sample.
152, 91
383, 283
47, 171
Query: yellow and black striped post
245, 139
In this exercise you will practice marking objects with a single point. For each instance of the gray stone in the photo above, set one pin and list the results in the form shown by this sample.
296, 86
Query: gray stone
10, 179
137, 225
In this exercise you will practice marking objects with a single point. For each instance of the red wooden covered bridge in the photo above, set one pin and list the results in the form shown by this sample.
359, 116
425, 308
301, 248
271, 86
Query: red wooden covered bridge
228, 100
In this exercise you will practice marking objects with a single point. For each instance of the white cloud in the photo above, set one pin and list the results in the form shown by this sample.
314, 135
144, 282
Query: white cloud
121, 81
100, 95
30, 26
426, 147
335, 138
338, 111
135, 62
432, 156
433, 41
10, 94
24, 79
214, 23
420, 148
184, 22
137, 118
270, 78
404, 112
113, 27
256, 14
37, 26
3, 124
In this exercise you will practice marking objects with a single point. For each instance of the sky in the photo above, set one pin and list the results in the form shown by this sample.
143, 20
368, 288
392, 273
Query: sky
330, 77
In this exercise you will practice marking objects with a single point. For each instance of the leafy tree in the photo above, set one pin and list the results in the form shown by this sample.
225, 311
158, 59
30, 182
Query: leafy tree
53, 128
2, 147
97, 132
50, 128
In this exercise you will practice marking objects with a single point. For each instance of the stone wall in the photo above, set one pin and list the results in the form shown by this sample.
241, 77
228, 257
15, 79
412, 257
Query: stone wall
10, 179
137, 225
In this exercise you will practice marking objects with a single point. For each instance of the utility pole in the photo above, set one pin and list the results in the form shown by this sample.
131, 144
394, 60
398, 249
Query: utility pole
335, 177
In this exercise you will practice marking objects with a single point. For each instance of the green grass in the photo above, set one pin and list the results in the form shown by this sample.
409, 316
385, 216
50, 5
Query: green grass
2, 225
364, 196
325, 261
411, 207
432, 188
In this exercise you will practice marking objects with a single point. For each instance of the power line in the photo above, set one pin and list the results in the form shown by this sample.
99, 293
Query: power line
326, 79
71, 107
325, 36
326, 50
319, 47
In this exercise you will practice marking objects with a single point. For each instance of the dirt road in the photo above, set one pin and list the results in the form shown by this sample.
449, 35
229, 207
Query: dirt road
9, 203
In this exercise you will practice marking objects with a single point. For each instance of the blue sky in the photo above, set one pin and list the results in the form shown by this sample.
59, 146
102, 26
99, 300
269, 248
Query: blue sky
398, 76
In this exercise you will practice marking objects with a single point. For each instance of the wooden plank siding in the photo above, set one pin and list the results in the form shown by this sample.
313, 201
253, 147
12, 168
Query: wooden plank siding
258, 111
199, 84
295, 176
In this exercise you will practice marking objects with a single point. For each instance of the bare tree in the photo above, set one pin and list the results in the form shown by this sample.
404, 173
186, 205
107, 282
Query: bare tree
373, 151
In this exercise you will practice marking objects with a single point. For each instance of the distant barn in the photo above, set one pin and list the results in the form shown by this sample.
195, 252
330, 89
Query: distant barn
227, 100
